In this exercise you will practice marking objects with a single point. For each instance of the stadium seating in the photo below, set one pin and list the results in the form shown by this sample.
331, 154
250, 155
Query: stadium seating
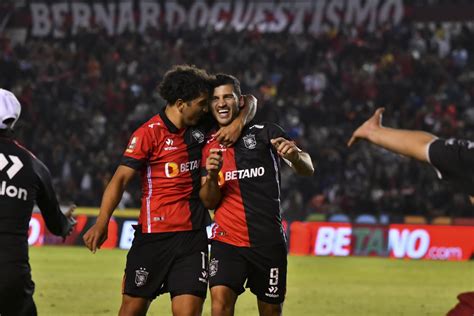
415, 219
441, 220
464, 221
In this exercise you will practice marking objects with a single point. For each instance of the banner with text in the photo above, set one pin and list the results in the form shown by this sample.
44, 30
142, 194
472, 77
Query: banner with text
65, 18
311, 238
431, 242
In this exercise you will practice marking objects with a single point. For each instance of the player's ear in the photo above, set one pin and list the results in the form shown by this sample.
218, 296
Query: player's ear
241, 101
180, 104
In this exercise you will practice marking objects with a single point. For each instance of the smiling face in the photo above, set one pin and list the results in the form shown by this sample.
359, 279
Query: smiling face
225, 104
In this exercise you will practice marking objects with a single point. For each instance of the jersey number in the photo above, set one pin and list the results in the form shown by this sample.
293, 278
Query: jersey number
274, 276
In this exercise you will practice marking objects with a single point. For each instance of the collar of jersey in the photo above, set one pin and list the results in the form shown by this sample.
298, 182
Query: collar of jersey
171, 127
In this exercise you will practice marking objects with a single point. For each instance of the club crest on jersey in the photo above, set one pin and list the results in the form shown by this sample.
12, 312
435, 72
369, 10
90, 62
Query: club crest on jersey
198, 135
249, 141
213, 267
141, 276
132, 145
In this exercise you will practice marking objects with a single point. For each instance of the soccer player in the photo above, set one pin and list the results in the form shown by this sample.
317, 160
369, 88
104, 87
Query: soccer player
24, 180
242, 184
169, 251
453, 160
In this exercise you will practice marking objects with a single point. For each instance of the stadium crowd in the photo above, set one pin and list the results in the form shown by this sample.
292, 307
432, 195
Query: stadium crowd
83, 96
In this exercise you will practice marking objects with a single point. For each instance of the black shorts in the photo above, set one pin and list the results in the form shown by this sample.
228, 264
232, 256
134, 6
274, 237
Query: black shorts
264, 268
174, 262
16, 290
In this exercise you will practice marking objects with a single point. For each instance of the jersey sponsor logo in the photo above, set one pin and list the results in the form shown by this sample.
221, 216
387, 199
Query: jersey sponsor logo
169, 144
132, 145
249, 141
13, 191
198, 135
220, 179
154, 124
213, 267
244, 173
141, 276
172, 169
13, 170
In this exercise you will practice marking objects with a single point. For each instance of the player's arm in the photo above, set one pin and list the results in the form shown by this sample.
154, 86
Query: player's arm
58, 223
97, 234
412, 144
228, 135
299, 160
210, 193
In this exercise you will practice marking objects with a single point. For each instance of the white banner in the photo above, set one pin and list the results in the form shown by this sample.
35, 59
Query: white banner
65, 18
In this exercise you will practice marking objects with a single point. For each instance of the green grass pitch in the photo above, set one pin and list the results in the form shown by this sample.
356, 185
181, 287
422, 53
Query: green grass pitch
72, 281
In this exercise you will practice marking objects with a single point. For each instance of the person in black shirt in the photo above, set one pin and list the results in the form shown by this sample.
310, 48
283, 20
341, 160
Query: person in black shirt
24, 180
452, 159
242, 184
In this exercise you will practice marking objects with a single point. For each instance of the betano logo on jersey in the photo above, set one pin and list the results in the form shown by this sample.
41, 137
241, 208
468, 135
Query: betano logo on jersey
172, 169
244, 173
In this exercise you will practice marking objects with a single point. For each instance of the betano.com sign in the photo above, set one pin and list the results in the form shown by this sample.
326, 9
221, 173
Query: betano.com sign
311, 238
65, 18
395, 241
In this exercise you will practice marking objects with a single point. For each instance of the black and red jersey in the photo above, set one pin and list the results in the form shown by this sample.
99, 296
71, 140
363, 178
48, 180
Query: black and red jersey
169, 160
454, 162
249, 213
24, 180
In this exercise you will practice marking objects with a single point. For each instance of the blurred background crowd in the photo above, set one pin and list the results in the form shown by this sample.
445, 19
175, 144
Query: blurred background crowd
82, 97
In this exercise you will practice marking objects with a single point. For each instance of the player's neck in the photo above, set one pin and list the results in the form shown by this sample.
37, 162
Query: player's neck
174, 116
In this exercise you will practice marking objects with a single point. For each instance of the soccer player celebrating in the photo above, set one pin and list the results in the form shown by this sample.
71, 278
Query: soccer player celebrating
169, 251
242, 184
453, 160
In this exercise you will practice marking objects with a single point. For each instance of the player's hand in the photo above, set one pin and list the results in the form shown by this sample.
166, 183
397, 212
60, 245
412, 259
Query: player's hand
249, 99
228, 135
286, 148
367, 128
96, 236
71, 220
214, 163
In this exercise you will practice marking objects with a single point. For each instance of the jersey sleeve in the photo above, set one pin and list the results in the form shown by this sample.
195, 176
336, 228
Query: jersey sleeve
138, 149
54, 218
453, 160
275, 131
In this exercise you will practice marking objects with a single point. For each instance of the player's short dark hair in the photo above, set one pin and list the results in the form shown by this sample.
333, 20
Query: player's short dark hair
223, 79
185, 82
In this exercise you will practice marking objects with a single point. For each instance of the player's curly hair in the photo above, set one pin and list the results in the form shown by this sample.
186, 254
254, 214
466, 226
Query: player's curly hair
223, 79
185, 82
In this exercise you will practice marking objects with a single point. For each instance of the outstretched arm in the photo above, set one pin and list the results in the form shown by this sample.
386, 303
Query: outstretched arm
299, 160
409, 143
97, 234
229, 134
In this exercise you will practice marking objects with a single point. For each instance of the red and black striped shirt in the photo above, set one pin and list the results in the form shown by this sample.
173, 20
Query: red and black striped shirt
249, 213
169, 161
